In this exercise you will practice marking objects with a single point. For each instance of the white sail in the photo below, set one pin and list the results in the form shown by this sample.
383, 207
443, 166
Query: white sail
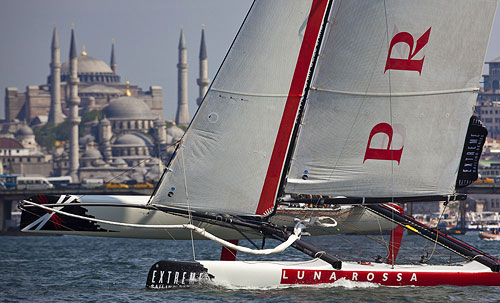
231, 157
391, 98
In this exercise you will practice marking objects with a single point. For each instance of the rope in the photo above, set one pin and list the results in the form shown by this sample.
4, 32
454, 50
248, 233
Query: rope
437, 233
201, 231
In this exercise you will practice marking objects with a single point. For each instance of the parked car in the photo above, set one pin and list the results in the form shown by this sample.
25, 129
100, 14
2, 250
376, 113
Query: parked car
143, 185
116, 185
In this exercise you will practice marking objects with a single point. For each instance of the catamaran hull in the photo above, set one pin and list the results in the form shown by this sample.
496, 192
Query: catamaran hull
244, 274
127, 209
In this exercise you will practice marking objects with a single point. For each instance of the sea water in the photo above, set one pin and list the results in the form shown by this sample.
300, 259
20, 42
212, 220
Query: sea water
88, 269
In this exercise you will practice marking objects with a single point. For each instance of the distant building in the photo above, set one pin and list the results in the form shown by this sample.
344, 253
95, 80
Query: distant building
130, 141
98, 86
23, 156
488, 102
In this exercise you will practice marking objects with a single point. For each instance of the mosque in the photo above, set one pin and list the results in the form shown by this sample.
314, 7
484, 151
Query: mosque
131, 139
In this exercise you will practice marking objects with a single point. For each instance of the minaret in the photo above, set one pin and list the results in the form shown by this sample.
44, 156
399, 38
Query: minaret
55, 112
203, 81
74, 119
182, 117
113, 61
105, 139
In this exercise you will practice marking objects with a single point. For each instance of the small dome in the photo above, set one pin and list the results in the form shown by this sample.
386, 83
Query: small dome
118, 162
25, 130
92, 154
129, 108
98, 163
99, 89
132, 140
87, 65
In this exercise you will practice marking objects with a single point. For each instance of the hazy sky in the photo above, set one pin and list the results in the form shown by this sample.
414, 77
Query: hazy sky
146, 36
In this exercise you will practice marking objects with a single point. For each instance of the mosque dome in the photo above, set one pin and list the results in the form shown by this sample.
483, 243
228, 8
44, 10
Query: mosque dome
92, 154
129, 108
87, 65
119, 162
25, 130
98, 163
132, 140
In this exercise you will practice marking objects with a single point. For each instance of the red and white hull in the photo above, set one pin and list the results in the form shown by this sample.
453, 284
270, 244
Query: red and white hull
245, 274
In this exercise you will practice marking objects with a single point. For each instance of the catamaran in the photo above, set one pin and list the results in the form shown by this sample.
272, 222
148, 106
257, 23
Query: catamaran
322, 112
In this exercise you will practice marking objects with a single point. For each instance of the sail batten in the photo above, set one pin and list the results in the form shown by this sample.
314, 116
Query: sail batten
253, 94
405, 94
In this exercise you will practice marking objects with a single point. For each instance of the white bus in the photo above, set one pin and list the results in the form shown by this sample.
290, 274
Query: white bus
58, 182
93, 183
33, 183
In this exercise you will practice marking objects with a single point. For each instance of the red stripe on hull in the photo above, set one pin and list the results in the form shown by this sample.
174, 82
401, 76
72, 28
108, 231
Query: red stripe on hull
266, 201
390, 278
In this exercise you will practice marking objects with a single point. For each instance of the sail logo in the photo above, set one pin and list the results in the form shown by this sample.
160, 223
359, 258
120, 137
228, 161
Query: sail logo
177, 274
407, 64
296, 276
385, 153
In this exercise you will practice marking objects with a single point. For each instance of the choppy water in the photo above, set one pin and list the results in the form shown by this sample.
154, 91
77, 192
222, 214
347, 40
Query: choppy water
86, 269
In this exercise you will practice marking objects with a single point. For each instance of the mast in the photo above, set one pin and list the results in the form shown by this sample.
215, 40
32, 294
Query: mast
315, 21
302, 104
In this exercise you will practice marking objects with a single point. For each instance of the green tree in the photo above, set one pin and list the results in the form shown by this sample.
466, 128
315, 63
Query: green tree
48, 134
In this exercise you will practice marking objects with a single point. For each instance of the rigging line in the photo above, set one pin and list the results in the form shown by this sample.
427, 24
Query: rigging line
166, 169
381, 234
244, 235
302, 106
391, 121
437, 234
383, 242
190, 217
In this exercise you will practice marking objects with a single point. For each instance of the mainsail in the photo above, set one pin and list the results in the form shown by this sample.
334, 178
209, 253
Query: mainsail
231, 158
391, 97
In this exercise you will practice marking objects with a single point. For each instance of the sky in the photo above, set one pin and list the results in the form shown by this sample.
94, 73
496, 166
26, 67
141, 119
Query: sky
146, 35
